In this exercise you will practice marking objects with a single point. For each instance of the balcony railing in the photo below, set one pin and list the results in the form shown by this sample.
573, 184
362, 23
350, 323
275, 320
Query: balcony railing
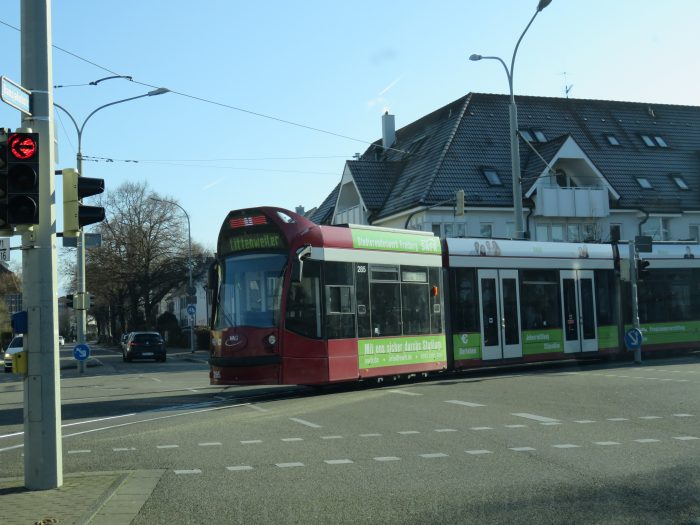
555, 201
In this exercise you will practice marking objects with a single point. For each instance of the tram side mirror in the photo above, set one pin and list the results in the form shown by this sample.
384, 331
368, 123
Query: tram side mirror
298, 264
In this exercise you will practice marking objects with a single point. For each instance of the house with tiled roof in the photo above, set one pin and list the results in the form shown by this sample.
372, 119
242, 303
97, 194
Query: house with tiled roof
591, 170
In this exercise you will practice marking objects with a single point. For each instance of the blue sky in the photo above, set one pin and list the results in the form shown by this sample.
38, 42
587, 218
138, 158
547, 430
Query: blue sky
334, 66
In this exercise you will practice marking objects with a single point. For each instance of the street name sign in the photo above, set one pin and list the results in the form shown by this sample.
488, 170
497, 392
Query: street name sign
15, 95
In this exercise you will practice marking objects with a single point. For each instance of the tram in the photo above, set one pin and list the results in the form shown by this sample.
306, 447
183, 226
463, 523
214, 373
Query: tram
299, 303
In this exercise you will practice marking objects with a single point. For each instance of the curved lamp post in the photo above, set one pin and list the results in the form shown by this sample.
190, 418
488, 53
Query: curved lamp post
190, 290
513, 111
80, 266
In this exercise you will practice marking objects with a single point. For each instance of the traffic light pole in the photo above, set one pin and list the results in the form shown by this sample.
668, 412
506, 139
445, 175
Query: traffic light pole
43, 460
635, 305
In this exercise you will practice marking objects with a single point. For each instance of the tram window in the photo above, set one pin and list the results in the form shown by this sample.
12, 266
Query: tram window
340, 317
385, 308
465, 307
436, 301
415, 296
666, 296
303, 302
605, 294
539, 299
384, 273
338, 273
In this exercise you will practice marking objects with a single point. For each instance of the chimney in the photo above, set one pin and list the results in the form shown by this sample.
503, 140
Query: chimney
300, 210
388, 130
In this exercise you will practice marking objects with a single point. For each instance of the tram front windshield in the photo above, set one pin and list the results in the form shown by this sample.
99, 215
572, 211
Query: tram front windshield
251, 288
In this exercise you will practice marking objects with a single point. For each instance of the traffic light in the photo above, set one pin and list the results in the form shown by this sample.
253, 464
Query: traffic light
75, 215
642, 269
19, 179
69, 300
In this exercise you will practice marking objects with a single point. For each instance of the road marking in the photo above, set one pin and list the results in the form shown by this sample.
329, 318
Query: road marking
515, 426
211, 444
156, 379
331, 437
386, 458
685, 438
304, 422
251, 441
618, 419
584, 421
650, 417
522, 449
647, 440
369, 435
337, 461
550, 423
481, 428
240, 467
407, 432
193, 390
404, 392
127, 449
541, 419
288, 440
84, 451
190, 471
683, 415
566, 445
256, 407
167, 446
606, 443
289, 465
464, 403
445, 430
434, 455
478, 452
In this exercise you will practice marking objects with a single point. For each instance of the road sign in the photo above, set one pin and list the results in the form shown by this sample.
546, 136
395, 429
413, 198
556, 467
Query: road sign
91, 240
81, 352
634, 339
4, 248
15, 95
191, 309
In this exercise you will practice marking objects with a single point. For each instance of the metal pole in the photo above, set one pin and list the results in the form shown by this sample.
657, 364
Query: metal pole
43, 460
635, 305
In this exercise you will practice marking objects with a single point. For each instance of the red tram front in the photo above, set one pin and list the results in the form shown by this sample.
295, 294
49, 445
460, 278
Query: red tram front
298, 303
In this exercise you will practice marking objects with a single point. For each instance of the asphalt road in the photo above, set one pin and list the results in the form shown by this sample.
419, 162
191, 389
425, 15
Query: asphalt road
603, 443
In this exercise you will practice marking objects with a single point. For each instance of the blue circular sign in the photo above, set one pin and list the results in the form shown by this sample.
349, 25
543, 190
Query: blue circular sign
191, 309
81, 352
634, 339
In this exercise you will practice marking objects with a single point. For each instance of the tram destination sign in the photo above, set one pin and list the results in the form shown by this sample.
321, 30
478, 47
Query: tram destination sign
256, 241
15, 95
395, 242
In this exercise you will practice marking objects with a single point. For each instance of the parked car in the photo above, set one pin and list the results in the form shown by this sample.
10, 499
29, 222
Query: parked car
15, 346
61, 340
144, 345
124, 339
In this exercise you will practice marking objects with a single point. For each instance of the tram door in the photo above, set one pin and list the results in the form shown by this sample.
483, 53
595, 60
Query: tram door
578, 304
500, 315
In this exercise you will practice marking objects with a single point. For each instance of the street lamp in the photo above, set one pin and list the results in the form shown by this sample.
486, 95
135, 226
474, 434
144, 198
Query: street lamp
513, 111
81, 315
190, 290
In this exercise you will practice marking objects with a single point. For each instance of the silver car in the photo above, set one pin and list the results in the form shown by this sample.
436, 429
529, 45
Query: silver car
15, 346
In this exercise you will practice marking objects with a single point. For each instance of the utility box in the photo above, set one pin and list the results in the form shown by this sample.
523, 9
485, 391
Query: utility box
19, 363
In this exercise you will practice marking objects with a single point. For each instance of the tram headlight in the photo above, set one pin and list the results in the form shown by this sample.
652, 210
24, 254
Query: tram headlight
271, 339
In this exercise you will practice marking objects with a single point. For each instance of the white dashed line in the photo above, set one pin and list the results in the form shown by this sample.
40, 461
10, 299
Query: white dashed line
338, 461
407, 432
289, 465
445, 430
288, 440
481, 428
404, 392
251, 441
478, 452
541, 419
650, 417
331, 437
606, 443
522, 449
369, 435
434, 455
239, 468
584, 421
387, 458
464, 403
515, 426
683, 415
566, 445
647, 440
550, 423
304, 422
79, 451
190, 471
256, 407
167, 446
156, 379
685, 438
212, 444
618, 419
125, 449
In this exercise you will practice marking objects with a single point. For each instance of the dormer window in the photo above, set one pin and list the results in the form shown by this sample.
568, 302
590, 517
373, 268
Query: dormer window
492, 177
612, 139
539, 135
648, 141
680, 182
644, 183
660, 141
526, 135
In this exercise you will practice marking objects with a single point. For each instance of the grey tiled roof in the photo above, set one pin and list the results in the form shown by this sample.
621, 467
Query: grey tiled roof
324, 212
448, 149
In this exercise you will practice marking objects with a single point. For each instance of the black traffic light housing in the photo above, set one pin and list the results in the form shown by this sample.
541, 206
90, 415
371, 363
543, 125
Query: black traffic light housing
642, 269
19, 179
75, 215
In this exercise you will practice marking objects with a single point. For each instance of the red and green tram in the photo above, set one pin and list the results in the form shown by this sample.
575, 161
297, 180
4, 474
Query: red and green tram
299, 303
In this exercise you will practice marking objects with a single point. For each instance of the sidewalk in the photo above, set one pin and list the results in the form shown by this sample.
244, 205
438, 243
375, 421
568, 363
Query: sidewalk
104, 498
